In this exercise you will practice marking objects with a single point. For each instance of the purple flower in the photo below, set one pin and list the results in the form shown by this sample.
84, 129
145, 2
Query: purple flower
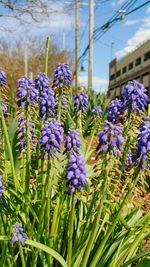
51, 137
97, 111
4, 109
18, 233
22, 134
27, 93
80, 101
62, 76
143, 144
110, 138
41, 81
47, 100
114, 110
134, 96
129, 158
1, 186
76, 174
2, 79
47, 103
72, 141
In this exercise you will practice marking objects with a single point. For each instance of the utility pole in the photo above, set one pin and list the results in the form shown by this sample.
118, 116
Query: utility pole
76, 43
64, 41
91, 29
26, 61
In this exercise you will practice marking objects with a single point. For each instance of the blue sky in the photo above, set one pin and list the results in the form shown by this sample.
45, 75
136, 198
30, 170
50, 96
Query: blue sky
125, 34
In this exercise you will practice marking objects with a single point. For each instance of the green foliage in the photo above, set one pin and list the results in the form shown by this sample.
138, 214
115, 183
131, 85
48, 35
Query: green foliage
99, 226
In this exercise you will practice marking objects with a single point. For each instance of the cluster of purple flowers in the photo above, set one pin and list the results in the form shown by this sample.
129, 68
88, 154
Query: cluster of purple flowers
97, 111
18, 233
76, 174
62, 76
114, 110
4, 109
26, 92
110, 138
47, 100
51, 137
72, 141
129, 158
80, 101
22, 133
2, 78
1, 186
134, 96
143, 144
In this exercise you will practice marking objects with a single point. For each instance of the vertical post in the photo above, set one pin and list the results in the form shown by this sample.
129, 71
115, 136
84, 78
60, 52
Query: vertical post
111, 51
76, 43
91, 28
26, 61
64, 41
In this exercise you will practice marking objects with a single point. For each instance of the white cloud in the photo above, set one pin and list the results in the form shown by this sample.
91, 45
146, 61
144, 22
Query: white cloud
132, 22
53, 20
99, 84
141, 35
117, 3
148, 10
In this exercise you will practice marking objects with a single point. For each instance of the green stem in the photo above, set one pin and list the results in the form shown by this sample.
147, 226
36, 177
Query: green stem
97, 219
48, 187
59, 108
54, 224
23, 172
71, 222
46, 54
6, 136
28, 156
148, 110
22, 255
98, 253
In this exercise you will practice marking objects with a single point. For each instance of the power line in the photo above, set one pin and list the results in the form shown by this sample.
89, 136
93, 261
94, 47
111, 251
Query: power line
100, 31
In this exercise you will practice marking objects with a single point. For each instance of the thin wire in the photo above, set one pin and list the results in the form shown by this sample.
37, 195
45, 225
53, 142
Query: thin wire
100, 31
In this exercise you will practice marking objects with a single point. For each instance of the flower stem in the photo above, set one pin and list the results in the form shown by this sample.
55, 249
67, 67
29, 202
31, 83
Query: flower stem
46, 54
28, 156
99, 251
97, 219
71, 222
6, 136
22, 255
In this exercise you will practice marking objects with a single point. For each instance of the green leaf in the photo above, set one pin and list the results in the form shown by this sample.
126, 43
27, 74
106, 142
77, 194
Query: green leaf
144, 263
4, 238
137, 257
48, 250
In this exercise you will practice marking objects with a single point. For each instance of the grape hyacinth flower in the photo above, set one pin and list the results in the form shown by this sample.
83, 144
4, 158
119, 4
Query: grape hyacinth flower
110, 138
46, 96
47, 103
80, 101
4, 109
41, 81
72, 141
22, 133
114, 110
134, 96
143, 144
51, 137
1, 186
18, 234
2, 79
129, 158
26, 92
62, 76
76, 174
97, 111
